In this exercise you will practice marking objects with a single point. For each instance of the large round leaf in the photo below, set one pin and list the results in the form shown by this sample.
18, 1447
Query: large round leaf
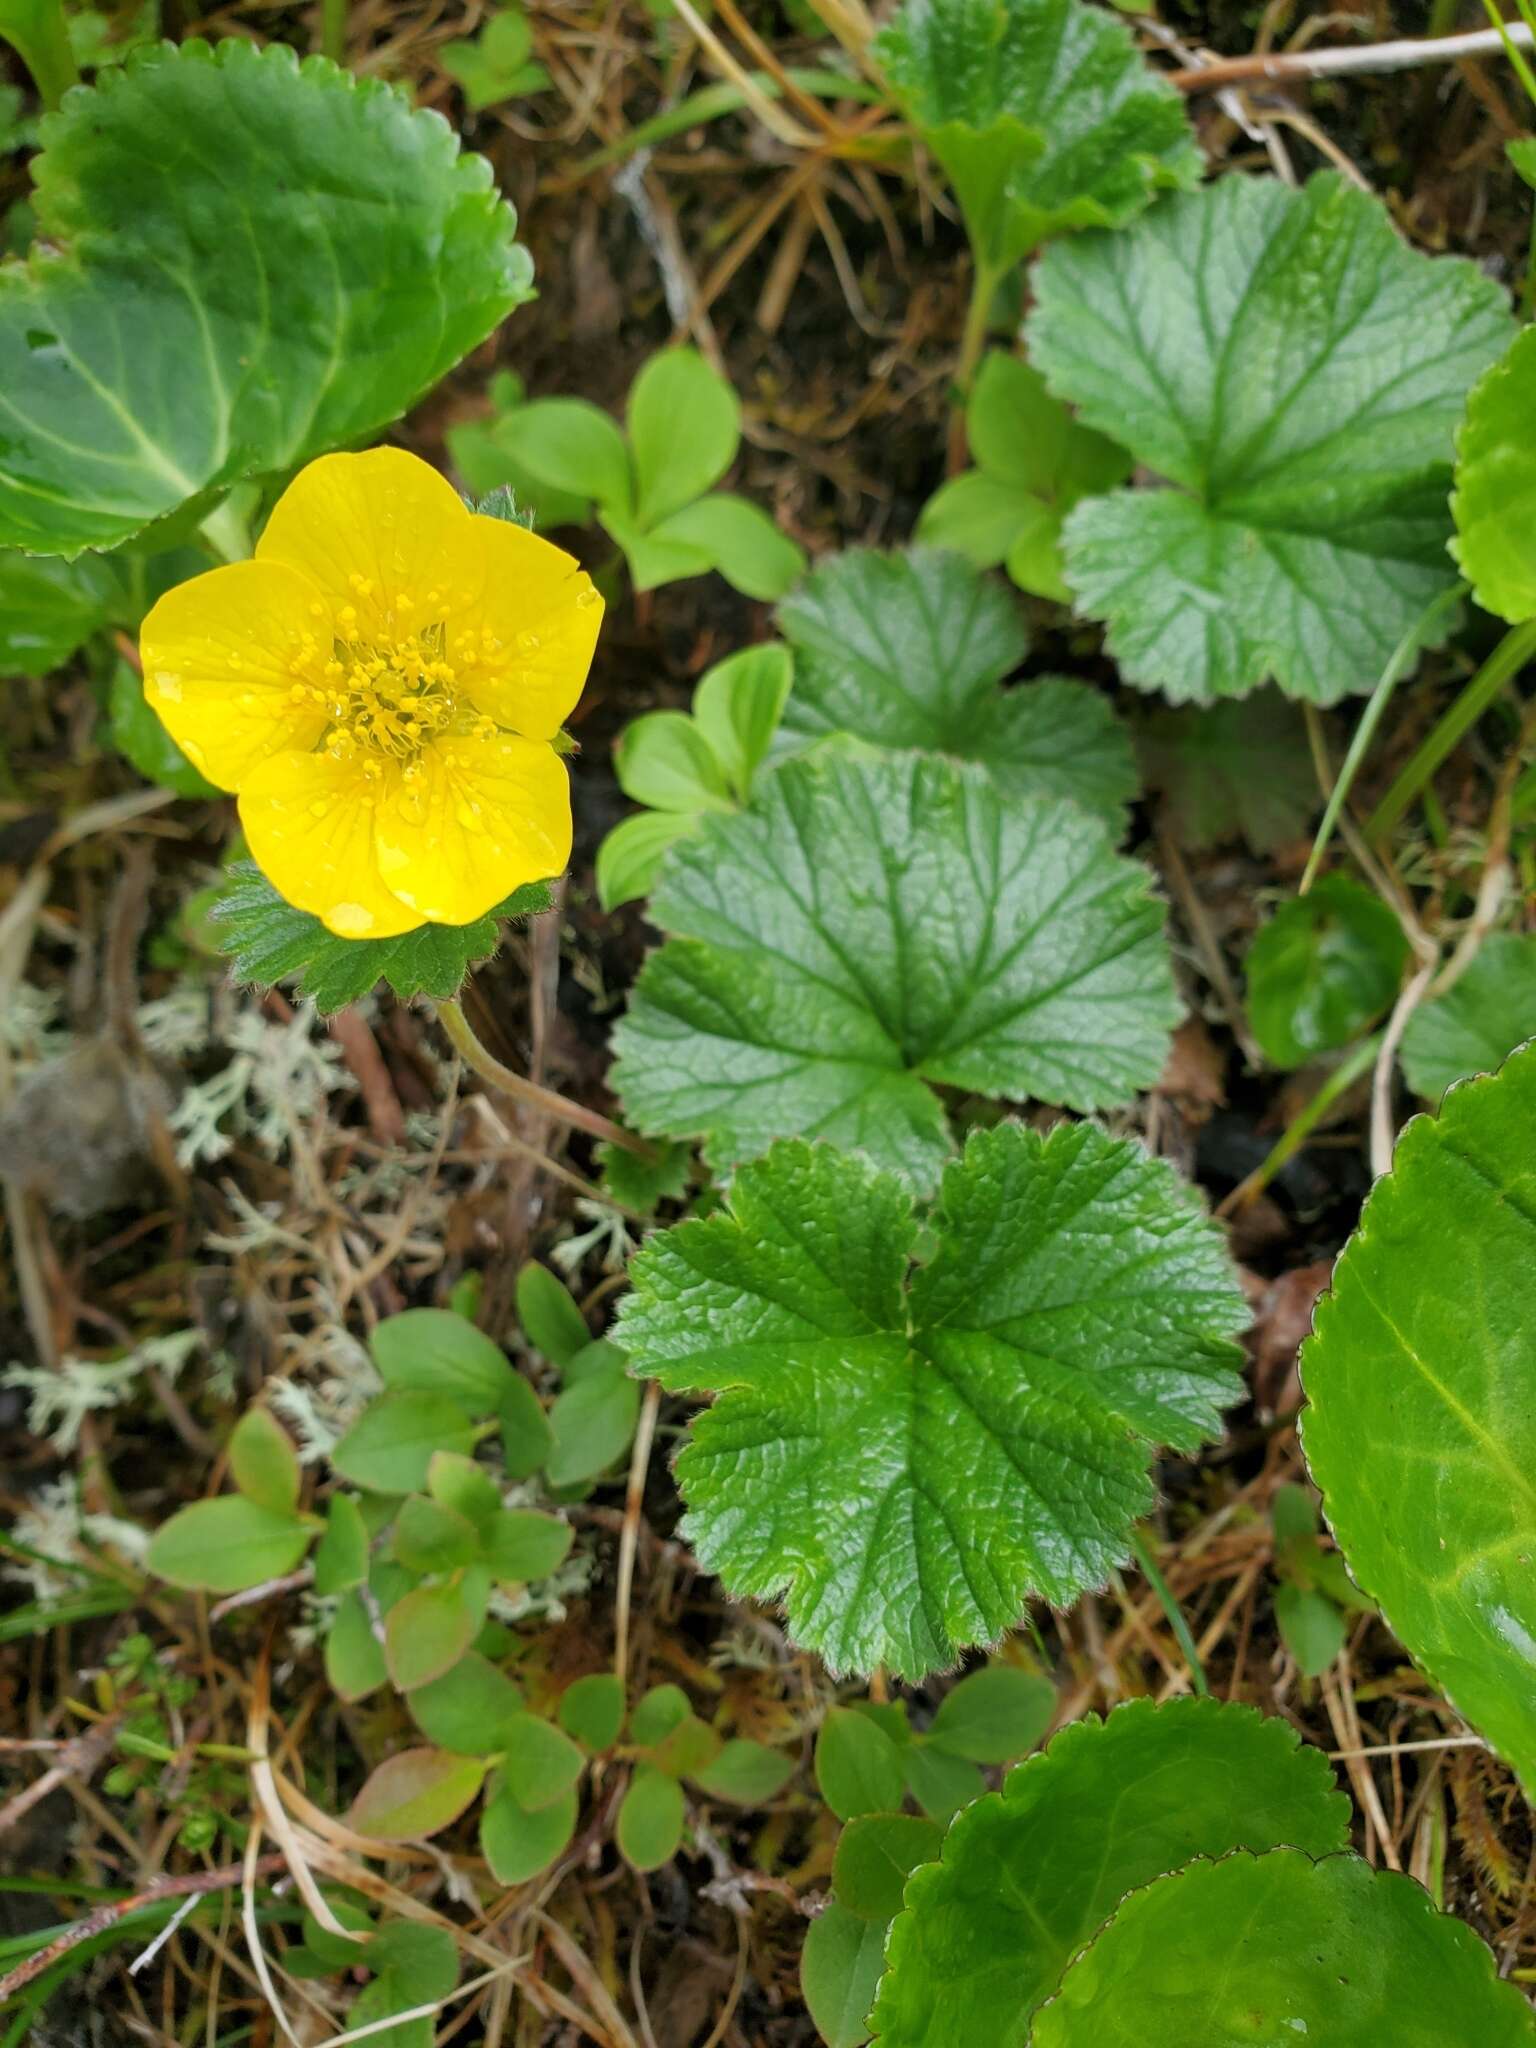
876, 923
1297, 372
1421, 1384
908, 1453
908, 650
243, 261
1270, 1950
1032, 1872
1478, 1022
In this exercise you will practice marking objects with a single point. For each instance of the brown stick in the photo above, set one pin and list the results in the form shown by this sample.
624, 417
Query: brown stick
1283, 67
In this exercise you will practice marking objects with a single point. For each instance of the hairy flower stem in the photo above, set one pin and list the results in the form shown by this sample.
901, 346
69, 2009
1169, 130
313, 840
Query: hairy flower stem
490, 1069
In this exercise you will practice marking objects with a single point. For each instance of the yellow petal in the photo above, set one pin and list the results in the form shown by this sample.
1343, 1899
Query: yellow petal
223, 654
480, 818
310, 820
533, 631
373, 530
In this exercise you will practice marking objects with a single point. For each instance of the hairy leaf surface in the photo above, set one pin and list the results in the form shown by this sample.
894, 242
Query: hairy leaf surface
1296, 373
1421, 1385
908, 1453
876, 923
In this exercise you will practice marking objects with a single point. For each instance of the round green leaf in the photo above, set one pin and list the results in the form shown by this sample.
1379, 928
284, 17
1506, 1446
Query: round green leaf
426, 1633
1029, 1873
591, 1711
431, 1538
907, 1452
415, 1793
1478, 1022
740, 541
263, 1462
225, 1545
839, 1969
664, 760
541, 1764
551, 1321
909, 650
858, 1767
994, 1715
389, 1448
1322, 970
1495, 498
874, 925
518, 1844
592, 1424
467, 1708
629, 859
875, 1856
1420, 1427
1043, 112
737, 706
1275, 1948
745, 1772
651, 1816
307, 333
522, 1544
434, 1351
656, 1714
684, 426
1319, 368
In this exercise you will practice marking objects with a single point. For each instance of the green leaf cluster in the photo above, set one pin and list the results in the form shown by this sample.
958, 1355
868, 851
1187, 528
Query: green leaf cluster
156, 348
878, 925
1296, 373
1043, 114
495, 66
592, 1419
978, 1397
1420, 1429
909, 650
410, 1963
239, 1539
683, 765
1315, 1595
268, 941
484, 455
651, 480
1033, 463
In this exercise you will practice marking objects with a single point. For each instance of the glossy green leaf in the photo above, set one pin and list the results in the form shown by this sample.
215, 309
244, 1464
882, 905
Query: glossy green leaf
874, 924
1043, 113
354, 1656
263, 1462
593, 1424
551, 1321
664, 760
745, 1772
414, 1793
1495, 498
432, 1538
858, 1767
1275, 1948
591, 1711
1239, 770
137, 730
652, 1812
738, 705
907, 1453
434, 1351
225, 1545
908, 650
1420, 1428
523, 1544
994, 1715
629, 859
341, 1555
1296, 372
49, 608
389, 1448
839, 1969
740, 540
268, 941
541, 1763
312, 333
684, 426
1029, 1873
467, 1708
875, 1856
1478, 1022
1322, 970
517, 1843
426, 1634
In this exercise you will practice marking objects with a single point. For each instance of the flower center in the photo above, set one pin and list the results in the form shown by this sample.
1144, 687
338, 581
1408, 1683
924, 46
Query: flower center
388, 699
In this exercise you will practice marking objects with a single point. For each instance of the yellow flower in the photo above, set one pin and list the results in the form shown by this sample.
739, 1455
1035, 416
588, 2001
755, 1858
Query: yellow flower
381, 686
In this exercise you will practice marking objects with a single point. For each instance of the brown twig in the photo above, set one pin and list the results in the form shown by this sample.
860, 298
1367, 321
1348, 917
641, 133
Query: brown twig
1265, 67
